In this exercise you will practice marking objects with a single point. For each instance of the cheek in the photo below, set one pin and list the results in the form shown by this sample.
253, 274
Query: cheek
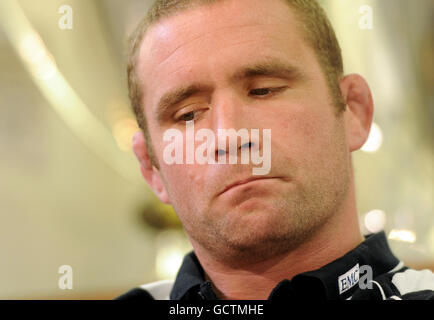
299, 128
305, 138
184, 183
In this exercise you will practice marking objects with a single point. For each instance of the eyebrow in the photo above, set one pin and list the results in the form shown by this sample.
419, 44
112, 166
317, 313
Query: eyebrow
271, 68
268, 68
176, 96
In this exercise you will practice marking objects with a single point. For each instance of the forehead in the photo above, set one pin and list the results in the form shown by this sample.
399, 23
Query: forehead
203, 43
216, 19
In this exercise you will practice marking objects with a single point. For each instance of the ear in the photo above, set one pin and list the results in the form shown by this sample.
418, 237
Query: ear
359, 112
149, 172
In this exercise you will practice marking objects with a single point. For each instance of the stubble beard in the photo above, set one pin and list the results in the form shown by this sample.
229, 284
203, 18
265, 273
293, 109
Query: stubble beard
292, 219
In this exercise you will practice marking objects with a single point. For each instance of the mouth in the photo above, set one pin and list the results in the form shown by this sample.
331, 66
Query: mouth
243, 182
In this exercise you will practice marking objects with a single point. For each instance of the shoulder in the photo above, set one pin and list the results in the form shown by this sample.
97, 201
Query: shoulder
414, 284
403, 284
159, 290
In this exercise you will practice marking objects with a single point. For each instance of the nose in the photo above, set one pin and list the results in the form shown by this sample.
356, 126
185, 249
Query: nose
231, 122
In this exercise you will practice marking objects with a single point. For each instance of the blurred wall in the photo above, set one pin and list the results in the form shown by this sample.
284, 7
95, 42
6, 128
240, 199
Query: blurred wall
71, 192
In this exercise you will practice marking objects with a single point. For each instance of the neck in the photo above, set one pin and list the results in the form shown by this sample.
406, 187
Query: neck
255, 281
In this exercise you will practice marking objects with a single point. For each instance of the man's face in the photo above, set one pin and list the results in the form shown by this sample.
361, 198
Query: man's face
250, 68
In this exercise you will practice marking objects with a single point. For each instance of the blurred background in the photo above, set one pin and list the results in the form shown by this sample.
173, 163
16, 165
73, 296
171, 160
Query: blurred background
71, 192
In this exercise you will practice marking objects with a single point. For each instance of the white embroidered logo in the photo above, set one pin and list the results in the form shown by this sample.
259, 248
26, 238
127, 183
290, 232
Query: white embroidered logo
349, 279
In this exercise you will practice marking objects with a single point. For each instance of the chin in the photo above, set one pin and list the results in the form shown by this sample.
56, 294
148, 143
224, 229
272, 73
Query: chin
250, 250
259, 237
263, 236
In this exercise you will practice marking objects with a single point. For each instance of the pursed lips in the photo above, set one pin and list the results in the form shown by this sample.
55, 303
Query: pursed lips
245, 181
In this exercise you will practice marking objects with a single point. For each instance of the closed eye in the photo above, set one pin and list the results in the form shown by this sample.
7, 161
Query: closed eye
265, 92
189, 116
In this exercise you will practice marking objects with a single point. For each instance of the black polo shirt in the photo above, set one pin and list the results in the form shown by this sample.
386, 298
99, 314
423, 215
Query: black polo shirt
317, 284
368, 272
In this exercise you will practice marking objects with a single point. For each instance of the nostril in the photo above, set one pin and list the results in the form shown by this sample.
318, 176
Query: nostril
247, 145
221, 152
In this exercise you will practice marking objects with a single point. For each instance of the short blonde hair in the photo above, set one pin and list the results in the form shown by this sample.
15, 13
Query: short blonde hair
317, 31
